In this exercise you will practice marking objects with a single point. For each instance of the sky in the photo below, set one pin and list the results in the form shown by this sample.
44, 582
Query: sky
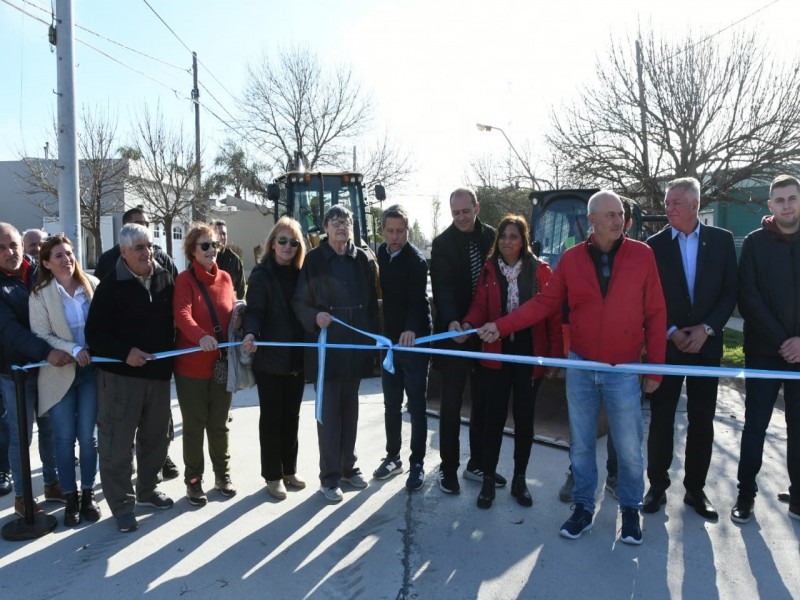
433, 68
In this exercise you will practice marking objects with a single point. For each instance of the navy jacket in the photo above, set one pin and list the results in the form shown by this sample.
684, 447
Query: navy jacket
18, 344
715, 285
404, 288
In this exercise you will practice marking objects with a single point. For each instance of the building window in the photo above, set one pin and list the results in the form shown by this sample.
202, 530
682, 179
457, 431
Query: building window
177, 233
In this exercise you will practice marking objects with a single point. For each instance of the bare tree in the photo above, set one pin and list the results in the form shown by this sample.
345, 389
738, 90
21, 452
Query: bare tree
102, 176
724, 114
498, 191
436, 215
163, 171
386, 163
293, 106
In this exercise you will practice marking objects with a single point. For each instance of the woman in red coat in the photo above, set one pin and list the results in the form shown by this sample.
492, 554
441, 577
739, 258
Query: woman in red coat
511, 275
204, 402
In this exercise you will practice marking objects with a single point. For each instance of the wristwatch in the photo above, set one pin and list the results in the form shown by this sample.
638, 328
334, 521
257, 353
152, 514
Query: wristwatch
708, 329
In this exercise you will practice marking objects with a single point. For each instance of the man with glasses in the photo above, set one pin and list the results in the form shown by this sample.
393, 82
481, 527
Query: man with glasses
697, 267
338, 280
228, 260
108, 260
616, 310
131, 319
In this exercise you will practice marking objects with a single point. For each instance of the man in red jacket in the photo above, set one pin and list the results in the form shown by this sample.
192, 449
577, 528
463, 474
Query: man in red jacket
616, 309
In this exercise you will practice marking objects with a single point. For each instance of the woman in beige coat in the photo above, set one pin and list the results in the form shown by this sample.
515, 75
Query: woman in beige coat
58, 306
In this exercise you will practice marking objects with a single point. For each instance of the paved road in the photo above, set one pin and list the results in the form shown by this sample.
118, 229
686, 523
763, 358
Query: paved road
385, 543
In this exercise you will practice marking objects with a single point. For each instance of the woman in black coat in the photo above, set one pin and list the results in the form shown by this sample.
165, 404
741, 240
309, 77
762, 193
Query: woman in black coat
278, 370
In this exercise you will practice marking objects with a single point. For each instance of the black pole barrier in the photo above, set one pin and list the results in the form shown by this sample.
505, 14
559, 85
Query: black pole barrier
31, 525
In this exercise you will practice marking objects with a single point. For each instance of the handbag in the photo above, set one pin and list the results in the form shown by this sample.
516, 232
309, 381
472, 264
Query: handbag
220, 367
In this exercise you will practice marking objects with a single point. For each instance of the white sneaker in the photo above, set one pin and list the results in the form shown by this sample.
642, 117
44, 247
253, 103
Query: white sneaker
333, 494
357, 481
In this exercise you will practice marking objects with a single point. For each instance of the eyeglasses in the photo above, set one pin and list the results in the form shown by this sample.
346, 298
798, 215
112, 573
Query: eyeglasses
292, 242
339, 224
206, 245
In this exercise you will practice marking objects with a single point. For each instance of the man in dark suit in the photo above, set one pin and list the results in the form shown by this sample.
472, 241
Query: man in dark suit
697, 268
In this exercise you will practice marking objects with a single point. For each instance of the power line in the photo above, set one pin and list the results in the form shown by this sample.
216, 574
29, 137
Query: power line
172, 31
24, 12
724, 29
108, 39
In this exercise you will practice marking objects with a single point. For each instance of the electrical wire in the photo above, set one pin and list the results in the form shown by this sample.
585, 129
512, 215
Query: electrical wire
25, 12
716, 33
172, 31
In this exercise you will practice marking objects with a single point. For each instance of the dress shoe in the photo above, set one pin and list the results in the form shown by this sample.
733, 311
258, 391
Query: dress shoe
702, 505
72, 513
654, 499
519, 489
89, 509
486, 497
743, 510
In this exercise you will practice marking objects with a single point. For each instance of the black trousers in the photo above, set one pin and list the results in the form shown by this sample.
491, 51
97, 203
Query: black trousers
498, 386
454, 374
701, 407
279, 397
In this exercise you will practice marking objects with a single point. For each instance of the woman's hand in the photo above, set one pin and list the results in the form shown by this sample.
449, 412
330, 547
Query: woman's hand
323, 320
83, 357
249, 343
208, 343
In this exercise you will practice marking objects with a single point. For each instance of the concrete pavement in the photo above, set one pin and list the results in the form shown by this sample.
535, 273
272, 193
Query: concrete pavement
386, 543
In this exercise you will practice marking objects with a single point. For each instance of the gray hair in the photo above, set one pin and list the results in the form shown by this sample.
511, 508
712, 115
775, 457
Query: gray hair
337, 211
395, 211
132, 233
689, 184
9, 229
591, 207
465, 191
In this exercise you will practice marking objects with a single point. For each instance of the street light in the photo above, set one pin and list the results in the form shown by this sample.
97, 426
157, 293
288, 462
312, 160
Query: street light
534, 180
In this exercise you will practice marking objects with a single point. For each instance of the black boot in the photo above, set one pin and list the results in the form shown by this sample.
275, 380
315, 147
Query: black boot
89, 509
72, 515
519, 489
486, 496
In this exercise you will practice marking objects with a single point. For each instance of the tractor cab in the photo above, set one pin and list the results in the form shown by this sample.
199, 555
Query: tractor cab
307, 195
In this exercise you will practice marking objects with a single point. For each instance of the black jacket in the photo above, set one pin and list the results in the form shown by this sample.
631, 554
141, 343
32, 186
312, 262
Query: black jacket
404, 285
18, 344
124, 315
769, 289
451, 280
229, 261
715, 285
108, 261
270, 318
354, 301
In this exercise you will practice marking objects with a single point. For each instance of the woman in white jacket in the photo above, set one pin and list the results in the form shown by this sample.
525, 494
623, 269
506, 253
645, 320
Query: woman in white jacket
59, 305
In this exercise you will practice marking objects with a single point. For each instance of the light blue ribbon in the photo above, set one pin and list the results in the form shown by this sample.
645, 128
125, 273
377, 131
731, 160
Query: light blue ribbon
385, 344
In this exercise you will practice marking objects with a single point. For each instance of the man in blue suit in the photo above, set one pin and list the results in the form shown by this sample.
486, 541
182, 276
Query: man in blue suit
697, 268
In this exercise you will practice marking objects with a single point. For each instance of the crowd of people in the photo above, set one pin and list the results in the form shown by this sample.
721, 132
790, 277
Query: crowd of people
620, 301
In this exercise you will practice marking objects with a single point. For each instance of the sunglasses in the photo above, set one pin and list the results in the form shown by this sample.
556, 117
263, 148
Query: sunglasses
206, 245
292, 242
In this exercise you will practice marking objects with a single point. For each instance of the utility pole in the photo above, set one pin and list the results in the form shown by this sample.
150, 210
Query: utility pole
643, 116
197, 213
69, 208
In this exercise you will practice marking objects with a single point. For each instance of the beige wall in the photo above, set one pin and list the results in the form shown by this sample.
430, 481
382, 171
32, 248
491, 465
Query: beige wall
246, 229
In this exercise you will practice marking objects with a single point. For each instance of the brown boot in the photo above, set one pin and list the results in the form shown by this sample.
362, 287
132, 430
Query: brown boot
19, 507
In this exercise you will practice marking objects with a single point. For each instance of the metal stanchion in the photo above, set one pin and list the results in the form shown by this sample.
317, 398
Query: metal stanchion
31, 525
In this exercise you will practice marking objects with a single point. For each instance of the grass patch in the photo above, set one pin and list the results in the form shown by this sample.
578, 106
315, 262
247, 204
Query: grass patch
732, 351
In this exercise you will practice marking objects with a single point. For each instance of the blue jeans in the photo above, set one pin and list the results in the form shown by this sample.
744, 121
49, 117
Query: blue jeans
411, 377
621, 394
46, 449
758, 405
75, 417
